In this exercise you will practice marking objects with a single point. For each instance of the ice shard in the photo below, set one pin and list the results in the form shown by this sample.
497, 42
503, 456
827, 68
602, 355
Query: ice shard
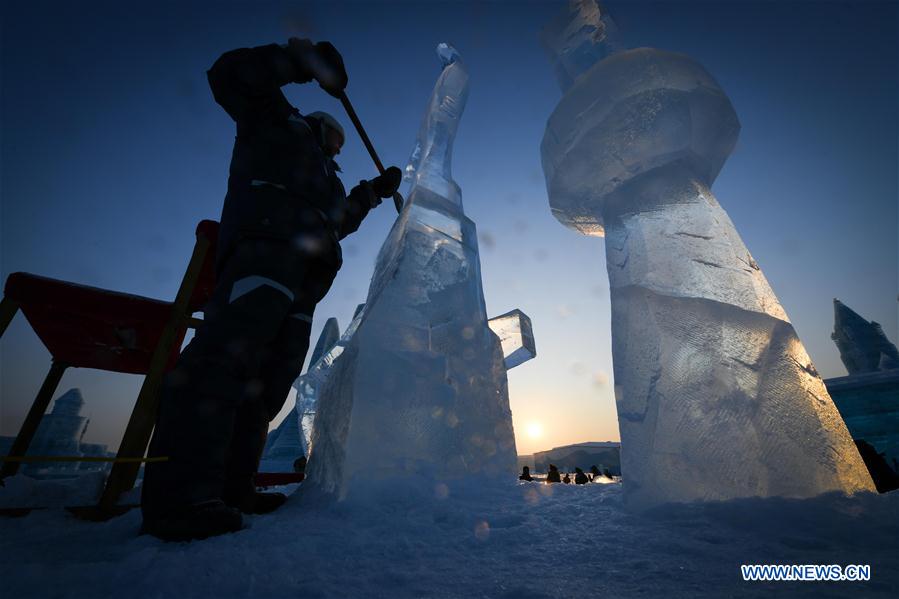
419, 394
717, 397
516, 337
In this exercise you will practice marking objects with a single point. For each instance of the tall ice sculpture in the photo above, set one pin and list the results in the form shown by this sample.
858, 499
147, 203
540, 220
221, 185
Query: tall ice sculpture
419, 392
716, 396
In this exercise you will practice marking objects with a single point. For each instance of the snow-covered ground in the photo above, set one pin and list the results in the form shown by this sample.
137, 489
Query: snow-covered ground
522, 541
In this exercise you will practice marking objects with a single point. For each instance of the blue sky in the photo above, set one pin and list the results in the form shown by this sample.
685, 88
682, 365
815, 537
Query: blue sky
111, 149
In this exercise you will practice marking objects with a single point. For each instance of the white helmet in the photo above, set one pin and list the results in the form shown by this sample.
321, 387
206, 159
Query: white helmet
326, 120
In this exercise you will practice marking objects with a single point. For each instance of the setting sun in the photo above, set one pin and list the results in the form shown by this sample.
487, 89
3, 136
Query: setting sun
535, 430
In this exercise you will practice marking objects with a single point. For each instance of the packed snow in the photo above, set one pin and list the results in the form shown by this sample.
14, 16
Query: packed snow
508, 540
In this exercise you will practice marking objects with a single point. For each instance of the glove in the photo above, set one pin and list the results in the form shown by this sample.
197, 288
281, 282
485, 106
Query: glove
331, 74
373, 200
321, 61
386, 185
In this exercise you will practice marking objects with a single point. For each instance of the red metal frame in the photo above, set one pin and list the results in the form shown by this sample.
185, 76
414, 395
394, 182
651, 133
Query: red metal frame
87, 327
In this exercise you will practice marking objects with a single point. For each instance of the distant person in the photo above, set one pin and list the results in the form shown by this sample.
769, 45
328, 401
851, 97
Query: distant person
553, 475
299, 464
594, 472
567, 479
606, 473
579, 477
525, 474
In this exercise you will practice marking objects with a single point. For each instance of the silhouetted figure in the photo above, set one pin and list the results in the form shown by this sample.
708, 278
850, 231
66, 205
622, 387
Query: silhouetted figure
553, 475
278, 252
594, 471
567, 479
606, 473
885, 479
525, 474
579, 477
299, 464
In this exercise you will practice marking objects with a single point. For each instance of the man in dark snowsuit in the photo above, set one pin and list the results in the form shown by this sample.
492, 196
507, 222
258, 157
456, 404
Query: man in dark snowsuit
278, 253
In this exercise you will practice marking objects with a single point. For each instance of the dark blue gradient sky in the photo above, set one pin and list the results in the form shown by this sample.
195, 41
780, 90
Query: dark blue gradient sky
112, 150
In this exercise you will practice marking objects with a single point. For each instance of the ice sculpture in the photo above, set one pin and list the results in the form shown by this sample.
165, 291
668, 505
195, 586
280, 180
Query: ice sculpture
515, 336
419, 393
310, 383
291, 439
326, 340
61, 433
716, 395
863, 345
286, 443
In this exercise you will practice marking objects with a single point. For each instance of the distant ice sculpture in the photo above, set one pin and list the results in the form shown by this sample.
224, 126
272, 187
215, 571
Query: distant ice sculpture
61, 432
717, 398
292, 437
863, 345
284, 444
419, 393
328, 338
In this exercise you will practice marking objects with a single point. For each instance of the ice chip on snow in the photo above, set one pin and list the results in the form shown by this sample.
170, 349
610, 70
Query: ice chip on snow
419, 392
515, 336
716, 396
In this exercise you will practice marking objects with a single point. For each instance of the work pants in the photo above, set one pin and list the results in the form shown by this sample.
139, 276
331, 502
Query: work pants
234, 376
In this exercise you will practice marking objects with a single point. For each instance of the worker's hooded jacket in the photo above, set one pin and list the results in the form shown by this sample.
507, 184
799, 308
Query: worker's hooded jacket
281, 185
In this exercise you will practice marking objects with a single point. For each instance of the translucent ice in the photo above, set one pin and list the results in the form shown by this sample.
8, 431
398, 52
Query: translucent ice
320, 368
419, 392
577, 38
430, 164
291, 439
328, 348
326, 340
286, 442
516, 337
716, 395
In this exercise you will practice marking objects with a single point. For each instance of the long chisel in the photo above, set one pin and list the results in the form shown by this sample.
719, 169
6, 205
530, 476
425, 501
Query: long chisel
397, 198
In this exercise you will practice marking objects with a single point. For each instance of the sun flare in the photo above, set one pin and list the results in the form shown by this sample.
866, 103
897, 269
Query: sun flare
535, 430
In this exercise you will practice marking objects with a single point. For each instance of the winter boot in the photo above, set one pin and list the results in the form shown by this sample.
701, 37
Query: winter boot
198, 521
250, 501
